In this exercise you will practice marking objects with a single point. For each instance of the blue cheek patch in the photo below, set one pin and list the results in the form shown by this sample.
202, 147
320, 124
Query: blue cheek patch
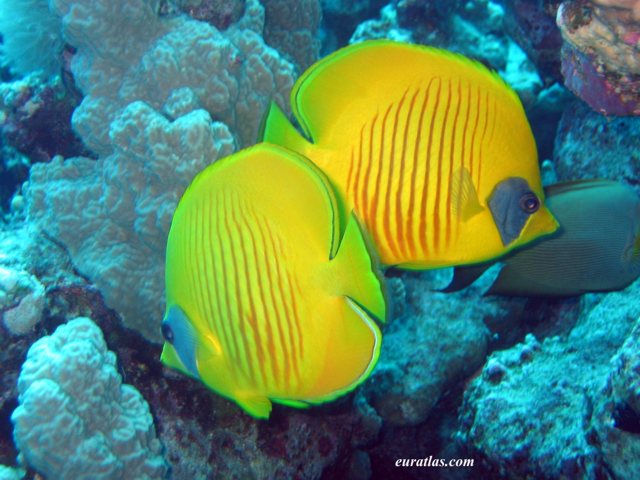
504, 204
179, 332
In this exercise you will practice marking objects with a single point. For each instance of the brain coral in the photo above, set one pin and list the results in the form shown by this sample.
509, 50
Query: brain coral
76, 419
164, 98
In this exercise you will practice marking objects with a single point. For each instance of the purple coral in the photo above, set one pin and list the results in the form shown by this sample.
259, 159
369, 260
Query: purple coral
601, 53
604, 92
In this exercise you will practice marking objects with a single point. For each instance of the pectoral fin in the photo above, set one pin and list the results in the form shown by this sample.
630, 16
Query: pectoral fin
464, 197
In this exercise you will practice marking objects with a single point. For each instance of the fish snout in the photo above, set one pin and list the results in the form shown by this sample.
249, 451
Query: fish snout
540, 224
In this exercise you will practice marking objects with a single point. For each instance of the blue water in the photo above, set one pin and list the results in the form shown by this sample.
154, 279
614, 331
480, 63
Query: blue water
109, 109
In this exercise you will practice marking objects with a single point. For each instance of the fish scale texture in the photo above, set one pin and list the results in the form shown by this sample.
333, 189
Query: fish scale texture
76, 420
165, 97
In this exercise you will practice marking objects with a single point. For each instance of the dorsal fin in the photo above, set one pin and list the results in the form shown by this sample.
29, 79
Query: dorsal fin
358, 76
575, 185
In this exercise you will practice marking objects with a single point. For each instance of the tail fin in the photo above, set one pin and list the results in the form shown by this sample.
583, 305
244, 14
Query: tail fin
277, 129
359, 268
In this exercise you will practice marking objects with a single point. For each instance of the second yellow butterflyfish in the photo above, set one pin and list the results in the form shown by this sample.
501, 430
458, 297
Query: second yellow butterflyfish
432, 150
271, 295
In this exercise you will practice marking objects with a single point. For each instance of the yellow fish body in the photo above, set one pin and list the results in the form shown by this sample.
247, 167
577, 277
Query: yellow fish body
432, 150
269, 295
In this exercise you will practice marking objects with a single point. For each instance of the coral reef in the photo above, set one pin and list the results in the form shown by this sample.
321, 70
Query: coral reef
601, 54
447, 340
115, 224
340, 19
174, 85
292, 29
35, 118
531, 23
70, 388
174, 65
7, 473
589, 145
21, 300
31, 37
618, 415
150, 119
473, 30
219, 13
34, 127
531, 411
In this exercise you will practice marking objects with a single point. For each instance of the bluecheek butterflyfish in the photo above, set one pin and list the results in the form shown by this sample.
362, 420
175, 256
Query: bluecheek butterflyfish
431, 149
271, 291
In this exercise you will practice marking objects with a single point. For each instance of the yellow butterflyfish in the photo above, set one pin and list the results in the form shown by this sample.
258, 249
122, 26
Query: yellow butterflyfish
431, 149
271, 291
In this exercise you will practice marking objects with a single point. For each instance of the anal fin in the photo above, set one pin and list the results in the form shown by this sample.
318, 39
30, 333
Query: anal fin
291, 403
465, 276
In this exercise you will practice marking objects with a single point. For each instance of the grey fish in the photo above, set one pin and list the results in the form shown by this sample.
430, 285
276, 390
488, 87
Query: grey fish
596, 248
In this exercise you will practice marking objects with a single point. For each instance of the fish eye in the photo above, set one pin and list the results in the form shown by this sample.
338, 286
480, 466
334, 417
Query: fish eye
167, 332
529, 203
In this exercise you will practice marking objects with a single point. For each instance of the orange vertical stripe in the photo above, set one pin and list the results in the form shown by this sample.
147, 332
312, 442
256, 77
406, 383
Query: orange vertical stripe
213, 321
398, 192
252, 316
482, 140
473, 159
260, 267
367, 174
391, 241
350, 173
452, 159
463, 156
410, 221
276, 302
238, 316
436, 207
228, 319
375, 198
356, 182
428, 174
293, 333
